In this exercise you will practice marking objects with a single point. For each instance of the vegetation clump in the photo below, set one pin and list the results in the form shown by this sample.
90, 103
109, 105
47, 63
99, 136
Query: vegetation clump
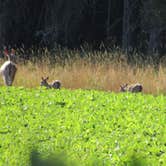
89, 127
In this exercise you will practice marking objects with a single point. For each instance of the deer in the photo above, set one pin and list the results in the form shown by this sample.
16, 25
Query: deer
134, 88
8, 69
55, 84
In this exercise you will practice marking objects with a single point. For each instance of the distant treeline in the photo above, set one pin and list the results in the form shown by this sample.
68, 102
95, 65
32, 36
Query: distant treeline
132, 25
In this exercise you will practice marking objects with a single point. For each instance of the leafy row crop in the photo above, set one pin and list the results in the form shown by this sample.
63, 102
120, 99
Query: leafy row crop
86, 127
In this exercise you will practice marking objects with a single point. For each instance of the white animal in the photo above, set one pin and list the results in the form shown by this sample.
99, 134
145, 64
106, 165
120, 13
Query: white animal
8, 69
55, 84
134, 88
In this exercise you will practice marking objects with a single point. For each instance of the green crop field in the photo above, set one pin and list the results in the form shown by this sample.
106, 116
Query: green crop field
84, 127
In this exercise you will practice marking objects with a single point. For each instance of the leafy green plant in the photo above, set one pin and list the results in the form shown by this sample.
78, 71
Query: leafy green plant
90, 127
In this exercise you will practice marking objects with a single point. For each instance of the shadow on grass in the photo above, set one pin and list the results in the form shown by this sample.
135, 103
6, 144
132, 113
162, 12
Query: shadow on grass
61, 160
57, 160
135, 160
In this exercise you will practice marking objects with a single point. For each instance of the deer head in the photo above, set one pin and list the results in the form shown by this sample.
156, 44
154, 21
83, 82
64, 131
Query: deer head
123, 88
11, 55
44, 82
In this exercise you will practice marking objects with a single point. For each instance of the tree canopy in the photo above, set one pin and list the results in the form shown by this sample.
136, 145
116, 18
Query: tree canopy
128, 24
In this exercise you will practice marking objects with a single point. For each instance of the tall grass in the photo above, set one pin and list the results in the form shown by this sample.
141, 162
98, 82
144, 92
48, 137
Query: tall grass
90, 70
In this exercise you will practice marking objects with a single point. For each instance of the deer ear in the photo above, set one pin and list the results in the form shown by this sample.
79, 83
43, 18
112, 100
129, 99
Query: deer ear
42, 78
6, 53
12, 51
47, 78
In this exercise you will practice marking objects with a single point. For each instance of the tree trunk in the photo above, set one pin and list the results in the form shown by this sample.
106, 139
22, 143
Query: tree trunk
0, 35
153, 40
126, 26
108, 19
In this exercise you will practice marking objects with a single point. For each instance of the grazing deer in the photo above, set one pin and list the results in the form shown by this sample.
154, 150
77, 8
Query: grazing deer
55, 84
134, 88
8, 69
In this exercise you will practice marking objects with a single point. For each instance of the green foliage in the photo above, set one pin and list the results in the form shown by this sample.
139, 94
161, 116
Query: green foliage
87, 126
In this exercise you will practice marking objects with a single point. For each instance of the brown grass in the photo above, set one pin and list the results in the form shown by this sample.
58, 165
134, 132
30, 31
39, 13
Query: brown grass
85, 74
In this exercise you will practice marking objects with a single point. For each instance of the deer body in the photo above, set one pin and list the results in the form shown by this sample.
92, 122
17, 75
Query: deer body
134, 88
8, 70
55, 84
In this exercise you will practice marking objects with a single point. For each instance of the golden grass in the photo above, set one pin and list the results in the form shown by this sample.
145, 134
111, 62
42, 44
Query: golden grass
85, 74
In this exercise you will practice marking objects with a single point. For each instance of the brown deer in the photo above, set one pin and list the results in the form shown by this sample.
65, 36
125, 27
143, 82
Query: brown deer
55, 84
134, 88
9, 69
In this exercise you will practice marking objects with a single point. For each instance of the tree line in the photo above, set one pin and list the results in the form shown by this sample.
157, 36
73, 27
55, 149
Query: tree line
132, 25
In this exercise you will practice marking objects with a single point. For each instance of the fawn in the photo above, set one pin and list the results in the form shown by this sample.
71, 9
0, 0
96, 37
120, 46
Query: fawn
134, 88
55, 84
9, 69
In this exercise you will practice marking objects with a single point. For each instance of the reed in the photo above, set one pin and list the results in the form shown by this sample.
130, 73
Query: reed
102, 71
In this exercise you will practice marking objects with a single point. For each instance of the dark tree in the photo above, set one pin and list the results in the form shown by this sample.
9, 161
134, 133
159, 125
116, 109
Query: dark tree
130, 24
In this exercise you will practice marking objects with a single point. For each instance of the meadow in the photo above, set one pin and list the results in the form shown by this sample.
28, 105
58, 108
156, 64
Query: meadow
90, 70
83, 127
87, 122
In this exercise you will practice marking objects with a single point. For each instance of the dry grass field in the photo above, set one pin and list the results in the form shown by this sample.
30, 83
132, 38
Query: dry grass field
103, 73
